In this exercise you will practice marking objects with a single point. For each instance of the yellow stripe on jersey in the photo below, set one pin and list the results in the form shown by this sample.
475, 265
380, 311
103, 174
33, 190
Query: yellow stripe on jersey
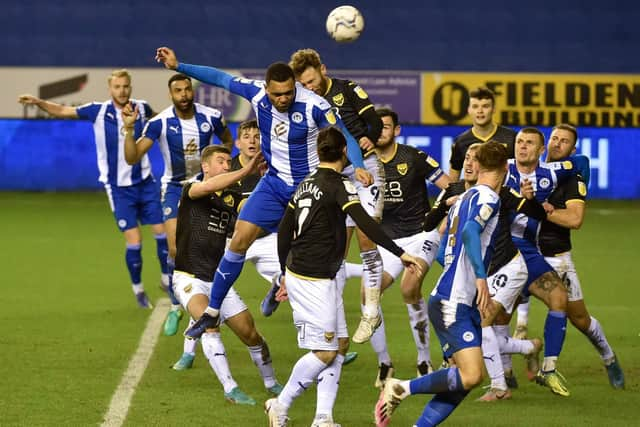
574, 201
353, 202
300, 276
365, 109
486, 138
291, 205
388, 159
520, 204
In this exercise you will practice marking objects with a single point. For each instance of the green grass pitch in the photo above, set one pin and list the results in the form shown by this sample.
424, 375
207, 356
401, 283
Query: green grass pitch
69, 325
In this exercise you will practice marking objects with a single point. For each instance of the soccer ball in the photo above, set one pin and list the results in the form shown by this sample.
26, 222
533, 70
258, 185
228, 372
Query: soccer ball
345, 23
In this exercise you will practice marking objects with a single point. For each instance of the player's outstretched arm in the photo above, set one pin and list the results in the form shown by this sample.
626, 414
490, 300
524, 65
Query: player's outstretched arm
56, 110
210, 75
224, 180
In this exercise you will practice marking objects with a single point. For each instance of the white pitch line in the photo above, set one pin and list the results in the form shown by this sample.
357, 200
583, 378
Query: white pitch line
121, 400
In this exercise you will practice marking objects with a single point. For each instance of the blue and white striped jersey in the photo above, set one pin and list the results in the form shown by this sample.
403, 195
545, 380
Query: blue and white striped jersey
457, 281
288, 140
109, 139
545, 179
181, 141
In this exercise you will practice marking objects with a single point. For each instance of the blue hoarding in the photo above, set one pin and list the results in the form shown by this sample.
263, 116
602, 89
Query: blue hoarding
59, 155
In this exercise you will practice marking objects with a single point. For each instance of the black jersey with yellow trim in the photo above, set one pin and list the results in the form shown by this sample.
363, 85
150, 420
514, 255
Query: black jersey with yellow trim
202, 229
319, 241
249, 182
462, 142
349, 101
554, 239
405, 190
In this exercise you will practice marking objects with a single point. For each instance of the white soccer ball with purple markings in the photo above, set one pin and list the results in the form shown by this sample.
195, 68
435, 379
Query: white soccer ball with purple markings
345, 23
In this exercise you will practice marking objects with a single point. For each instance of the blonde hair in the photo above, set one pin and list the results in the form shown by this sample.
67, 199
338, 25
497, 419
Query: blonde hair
303, 59
123, 72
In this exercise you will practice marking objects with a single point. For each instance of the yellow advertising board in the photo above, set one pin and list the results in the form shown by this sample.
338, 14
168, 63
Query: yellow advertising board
599, 100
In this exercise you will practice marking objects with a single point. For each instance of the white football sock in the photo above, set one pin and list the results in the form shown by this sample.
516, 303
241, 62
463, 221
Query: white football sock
304, 373
492, 359
419, 322
523, 313
595, 333
510, 345
353, 270
214, 351
262, 359
372, 270
502, 333
328, 383
137, 288
379, 341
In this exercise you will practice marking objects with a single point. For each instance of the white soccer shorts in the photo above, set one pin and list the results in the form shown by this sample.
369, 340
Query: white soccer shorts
186, 286
371, 197
506, 284
424, 245
563, 265
263, 253
318, 311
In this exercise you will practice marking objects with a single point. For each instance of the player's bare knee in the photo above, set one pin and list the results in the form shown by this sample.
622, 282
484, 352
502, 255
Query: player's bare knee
471, 376
558, 299
326, 356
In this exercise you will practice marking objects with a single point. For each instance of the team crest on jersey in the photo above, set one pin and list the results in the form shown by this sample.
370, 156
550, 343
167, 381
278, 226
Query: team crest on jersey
582, 188
402, 168
338, 99
297, 117
544, 183
329, 336
205, 127
360, 92
228, 200
468, 336
331, 118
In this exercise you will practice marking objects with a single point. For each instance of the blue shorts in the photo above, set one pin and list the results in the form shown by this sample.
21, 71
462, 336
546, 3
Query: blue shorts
135, 204
171, 194
267, 203
536, 264
457, 325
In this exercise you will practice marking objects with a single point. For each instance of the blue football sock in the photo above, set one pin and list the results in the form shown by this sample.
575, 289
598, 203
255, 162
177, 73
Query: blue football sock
163, 251
133, 257
555, 329
440, 407
171, 265
440, 381
225, 276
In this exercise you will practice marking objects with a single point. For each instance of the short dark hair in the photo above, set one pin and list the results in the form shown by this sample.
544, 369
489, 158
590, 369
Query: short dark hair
388, 112
569, 128
331, 143
210, 150
483, 92
492, 156
247, 124
177, 77
532, 130
279, 72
